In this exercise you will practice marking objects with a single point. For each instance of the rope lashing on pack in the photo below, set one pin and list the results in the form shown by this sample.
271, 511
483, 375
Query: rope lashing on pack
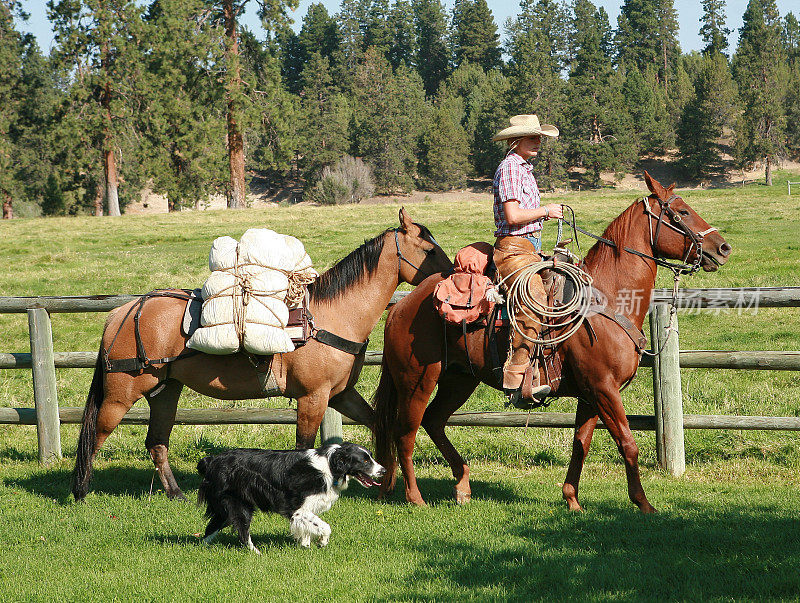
570, 316
243, 287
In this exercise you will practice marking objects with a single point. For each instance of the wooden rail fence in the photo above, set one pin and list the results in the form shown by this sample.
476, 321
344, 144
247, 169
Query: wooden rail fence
668, 419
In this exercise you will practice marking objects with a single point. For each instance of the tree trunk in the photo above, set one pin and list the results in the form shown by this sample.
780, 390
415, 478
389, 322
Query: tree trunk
768, 170
237, 198
112, 195
98, 201
109, 161
8, 209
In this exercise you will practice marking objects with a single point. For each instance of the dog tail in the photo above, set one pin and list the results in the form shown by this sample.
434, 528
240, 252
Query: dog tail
383, 436
82, 473
202, 491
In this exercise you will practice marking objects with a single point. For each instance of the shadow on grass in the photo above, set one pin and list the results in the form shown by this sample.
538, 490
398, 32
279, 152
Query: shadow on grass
115, 481
693, 551
226, 540
435, 491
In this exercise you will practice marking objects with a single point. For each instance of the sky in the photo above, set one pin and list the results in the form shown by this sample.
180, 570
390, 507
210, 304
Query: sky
689, 13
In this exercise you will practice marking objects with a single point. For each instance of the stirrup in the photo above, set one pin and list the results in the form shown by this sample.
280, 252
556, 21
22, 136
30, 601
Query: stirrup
537, 398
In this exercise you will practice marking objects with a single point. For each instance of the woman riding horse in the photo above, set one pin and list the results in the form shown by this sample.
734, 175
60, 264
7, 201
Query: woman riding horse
518, 216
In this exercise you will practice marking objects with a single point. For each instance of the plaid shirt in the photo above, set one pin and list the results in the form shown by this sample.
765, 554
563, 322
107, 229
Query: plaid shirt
514, 180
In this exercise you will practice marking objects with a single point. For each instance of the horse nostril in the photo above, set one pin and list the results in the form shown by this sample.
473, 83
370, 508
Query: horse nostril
725, 250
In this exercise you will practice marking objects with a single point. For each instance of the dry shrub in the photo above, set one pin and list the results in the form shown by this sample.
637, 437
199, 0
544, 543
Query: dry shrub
349, 180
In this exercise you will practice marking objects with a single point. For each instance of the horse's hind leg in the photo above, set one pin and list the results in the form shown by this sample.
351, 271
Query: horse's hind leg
163, 407
454, 389
609, 405
585, 421
409, 418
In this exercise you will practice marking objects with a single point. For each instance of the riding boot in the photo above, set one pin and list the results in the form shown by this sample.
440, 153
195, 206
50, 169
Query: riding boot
511, 254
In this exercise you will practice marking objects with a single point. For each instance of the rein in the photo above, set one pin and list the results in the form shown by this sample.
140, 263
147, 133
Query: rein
678, 268
696, 238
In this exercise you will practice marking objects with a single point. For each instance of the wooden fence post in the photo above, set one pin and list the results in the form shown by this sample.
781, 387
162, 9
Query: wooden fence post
667, 391
48, 426
330, 431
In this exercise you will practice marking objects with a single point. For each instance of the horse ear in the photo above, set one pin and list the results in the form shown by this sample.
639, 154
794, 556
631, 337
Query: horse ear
654, 185
405, 220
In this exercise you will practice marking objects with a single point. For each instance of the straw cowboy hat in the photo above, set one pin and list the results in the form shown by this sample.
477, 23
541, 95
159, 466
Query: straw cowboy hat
525, 125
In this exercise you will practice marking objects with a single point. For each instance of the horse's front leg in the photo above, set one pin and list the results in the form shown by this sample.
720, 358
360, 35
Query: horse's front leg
609, 406
310, 410
585, 421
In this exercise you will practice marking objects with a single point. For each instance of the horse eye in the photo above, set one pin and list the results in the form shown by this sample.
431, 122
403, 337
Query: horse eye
430, 251
684, 212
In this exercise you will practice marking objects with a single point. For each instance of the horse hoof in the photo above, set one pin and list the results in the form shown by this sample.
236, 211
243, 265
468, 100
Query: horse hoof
462, 498
417, 502
177, 496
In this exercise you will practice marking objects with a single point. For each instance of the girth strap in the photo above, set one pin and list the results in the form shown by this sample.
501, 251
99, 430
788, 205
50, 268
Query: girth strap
340, 343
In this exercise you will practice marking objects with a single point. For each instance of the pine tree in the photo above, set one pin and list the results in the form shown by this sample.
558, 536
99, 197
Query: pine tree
351, 18
377, 33
443, 148
791, 38
791, 43
538, 50
597, 131
761, 71
647, 37
97, 42
475, 38
11, 49
387, 118
404, 37
325, 117
711, 108
32, 131
273, 19
184, 154
713, 31
432, 58
483, 97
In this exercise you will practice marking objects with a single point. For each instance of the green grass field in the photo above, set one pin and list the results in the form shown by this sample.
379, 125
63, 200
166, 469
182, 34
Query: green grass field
727, 530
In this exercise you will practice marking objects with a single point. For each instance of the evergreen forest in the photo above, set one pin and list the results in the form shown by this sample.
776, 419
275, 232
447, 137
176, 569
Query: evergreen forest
180, 98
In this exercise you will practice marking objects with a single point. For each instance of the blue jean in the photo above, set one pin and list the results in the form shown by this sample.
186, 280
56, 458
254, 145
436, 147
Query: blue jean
537, 242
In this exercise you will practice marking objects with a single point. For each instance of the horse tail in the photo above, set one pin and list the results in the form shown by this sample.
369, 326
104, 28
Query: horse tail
82, 474
385, 403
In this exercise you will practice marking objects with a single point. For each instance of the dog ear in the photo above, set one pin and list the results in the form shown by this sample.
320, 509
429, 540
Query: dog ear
339, 463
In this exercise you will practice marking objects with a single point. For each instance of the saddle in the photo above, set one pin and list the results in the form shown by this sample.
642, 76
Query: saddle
462, 299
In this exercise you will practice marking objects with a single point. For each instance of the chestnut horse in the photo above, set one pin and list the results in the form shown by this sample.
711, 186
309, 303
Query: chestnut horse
347, 301
597, 361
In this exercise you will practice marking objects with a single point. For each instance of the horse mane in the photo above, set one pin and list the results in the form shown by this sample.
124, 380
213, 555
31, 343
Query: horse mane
617, 232
360, 262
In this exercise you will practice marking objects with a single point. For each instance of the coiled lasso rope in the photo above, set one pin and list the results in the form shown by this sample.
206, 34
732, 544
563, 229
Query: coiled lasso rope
569, 316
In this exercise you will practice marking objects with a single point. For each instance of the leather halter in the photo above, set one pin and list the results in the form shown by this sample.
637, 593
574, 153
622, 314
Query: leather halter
677, 224
400, 257
696, 238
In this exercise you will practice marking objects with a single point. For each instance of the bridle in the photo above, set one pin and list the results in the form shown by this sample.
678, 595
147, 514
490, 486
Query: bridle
400, 257
677, 224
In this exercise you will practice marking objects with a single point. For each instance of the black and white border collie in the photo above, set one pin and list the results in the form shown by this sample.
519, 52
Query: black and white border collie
298, 484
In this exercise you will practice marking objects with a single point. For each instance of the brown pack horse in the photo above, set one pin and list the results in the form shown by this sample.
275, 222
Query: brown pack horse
347, 301
596, 363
